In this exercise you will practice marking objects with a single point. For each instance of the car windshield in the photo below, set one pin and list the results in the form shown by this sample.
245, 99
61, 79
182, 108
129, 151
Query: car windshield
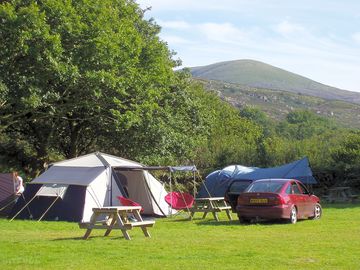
266, 186
239, 186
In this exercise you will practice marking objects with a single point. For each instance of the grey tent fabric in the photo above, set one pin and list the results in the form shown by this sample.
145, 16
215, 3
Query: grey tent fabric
81, 176
217, 182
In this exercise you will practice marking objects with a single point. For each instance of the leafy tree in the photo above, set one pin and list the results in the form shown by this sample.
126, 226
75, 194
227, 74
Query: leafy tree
346, 158
78, 72
303, 124
259, 117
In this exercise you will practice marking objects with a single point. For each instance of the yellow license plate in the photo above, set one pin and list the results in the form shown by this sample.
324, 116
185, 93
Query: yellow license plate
258, 200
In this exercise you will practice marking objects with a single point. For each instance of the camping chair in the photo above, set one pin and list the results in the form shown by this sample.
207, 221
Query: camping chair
179, 201
127, 202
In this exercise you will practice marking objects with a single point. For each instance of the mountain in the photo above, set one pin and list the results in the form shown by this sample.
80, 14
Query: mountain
277, 104
256, 74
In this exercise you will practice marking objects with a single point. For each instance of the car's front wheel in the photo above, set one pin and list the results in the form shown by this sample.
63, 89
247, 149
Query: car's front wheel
317, 211
293, 215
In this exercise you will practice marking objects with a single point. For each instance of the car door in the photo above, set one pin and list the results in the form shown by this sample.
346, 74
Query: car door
298, 199
309, 204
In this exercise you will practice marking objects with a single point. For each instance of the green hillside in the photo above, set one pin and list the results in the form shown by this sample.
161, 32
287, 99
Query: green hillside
260, 75
277, 104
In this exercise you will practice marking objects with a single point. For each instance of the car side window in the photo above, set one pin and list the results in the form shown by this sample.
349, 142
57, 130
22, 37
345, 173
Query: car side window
288, 189
304, 189
295, 188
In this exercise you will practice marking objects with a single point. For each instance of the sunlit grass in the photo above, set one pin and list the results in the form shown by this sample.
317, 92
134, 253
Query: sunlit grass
330, 243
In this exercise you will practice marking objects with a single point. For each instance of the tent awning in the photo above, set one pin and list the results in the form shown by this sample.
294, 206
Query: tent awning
82, 176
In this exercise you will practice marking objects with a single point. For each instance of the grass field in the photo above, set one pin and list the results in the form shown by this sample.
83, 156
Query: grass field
330, 243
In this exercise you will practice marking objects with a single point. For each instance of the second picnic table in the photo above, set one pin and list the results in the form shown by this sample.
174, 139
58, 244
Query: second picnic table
116, 218
210, 205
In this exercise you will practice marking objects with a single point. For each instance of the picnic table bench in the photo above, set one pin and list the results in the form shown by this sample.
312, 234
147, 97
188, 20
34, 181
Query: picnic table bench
340, 194
210, 205
116, 218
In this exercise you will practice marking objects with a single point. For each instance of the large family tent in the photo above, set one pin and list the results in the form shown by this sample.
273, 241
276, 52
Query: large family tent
69, 189
217, 182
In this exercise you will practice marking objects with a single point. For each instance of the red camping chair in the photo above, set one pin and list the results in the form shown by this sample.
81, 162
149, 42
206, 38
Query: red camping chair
127, 202
179, 200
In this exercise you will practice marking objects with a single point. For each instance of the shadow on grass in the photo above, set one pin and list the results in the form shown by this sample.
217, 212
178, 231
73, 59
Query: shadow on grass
237, 223
225, 222
70, 238
177, 220
110, 237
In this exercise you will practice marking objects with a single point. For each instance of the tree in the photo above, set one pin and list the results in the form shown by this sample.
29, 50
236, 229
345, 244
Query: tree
303, 124
76, 72
346, 158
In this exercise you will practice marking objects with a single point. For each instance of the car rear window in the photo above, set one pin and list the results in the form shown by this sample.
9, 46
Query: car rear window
239, 186
266, 186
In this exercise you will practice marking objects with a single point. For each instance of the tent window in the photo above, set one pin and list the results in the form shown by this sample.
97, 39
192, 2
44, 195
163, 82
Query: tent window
52, 190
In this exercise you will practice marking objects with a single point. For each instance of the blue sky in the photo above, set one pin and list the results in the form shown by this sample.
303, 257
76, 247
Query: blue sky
319, 39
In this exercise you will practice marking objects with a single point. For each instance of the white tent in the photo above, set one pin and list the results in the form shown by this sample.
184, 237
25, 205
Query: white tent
91, 181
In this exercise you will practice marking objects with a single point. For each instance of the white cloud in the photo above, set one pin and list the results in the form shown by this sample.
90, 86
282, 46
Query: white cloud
221, 32
356, 37
177, 25
191, 5
286, 28
175, 40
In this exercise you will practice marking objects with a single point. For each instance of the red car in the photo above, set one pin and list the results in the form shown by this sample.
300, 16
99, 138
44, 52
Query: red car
277, 199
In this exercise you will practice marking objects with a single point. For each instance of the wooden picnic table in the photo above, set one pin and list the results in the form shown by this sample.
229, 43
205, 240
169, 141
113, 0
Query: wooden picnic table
210, 205
340, 194
116, 218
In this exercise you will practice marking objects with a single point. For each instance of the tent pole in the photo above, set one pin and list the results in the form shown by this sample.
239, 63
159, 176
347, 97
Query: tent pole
107, 166
203, 182
153, 197
187, 208
170, 195
194, 184
23, 208
30, 215
48, 208
111, 188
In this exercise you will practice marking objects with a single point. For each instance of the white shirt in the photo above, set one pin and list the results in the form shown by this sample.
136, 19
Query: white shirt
19, 188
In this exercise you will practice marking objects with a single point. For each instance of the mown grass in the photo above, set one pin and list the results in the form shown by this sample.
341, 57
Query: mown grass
330, 243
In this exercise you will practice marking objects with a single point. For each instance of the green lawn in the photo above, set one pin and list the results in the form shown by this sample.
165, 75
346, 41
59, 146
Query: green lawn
330, 243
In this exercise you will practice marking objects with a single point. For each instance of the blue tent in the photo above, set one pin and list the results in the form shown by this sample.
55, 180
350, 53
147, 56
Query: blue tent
217, 182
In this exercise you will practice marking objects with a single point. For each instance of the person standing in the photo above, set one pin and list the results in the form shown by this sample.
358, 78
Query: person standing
18, 183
